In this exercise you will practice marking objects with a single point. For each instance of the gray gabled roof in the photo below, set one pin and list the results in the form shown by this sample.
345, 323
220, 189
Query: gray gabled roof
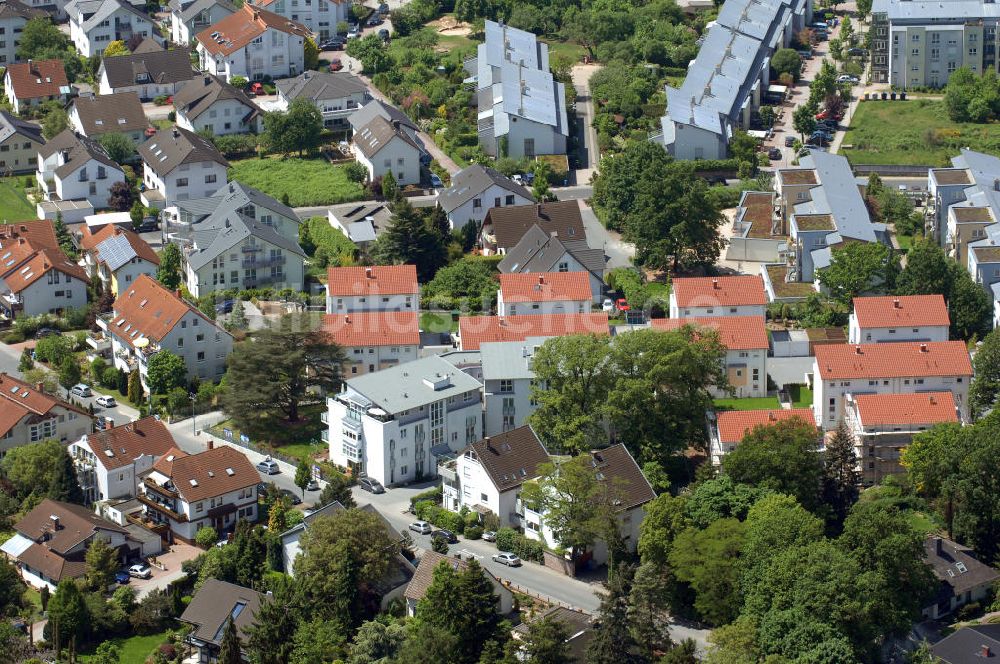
79, 150
191, 10
118, 113
160, 66
169, 148
837, 194
225, 229
374, 108
234, 195
98, 11
406, 386
200, 93
371, 138
472, 181
320, 86
13, 8
539, 252
215, 603
10, 125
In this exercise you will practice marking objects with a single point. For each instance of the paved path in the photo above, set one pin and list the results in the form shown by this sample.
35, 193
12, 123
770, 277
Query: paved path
586, 134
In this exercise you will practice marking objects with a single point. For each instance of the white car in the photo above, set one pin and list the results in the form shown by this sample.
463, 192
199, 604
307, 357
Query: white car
421, 527
518, 179
140, 571
608, 306
848, 79
353, 32
104, 401
508, 559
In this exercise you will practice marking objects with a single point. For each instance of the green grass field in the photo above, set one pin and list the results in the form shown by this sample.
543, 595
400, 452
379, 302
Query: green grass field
14, 205
747, 404
802, 397
573, 52
306, 181
921, 522
134, 650
913, 132
431, 321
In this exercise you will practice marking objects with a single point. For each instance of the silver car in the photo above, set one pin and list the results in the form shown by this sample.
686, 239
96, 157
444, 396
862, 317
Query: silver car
421, 527
508, 559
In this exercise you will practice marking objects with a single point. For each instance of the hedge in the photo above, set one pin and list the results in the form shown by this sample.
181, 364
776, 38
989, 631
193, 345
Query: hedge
510, 540
434, 494
439, 516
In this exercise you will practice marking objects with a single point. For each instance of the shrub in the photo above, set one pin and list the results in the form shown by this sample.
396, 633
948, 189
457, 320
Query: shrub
433, 495
473, 532
206, 537
509, 539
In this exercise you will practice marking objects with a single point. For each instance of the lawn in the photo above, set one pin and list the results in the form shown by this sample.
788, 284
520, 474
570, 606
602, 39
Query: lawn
573, 52
921, 522
747, 404
305, 182
802, 397
14, 205
300, 442
913, 132
135, 649
432, 321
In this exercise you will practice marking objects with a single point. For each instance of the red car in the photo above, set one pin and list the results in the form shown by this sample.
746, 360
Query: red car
622, 304
336, 64
823, 115
256, 89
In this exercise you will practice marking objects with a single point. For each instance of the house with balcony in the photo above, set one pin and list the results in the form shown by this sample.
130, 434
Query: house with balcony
189, 17
984, 259
147, 318
117, 257
883, 425
713, 297
253, 43
475, 190
149, 74
486, 476
320, 16
539, 252
503, 227
185, 217
384, 147
35, 82
843, 371
93, 24
728, 428
337, 95
747, 343
19, 144
76, 168
36, 277
629, 492
374, 288
963, 201
111, 463
178, 165
544, 293
473, 331
209, 103
214, 489
119, 113
29, 415
507, 380
899, 318
374, 340
393, 425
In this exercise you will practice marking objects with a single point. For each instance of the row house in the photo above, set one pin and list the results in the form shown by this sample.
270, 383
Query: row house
374, 288
883, 425
29, 415
374, 340
544, 293
253, 43
843, 370
212, 489
392, 425
539, 252
111, 463
148, 318
35, 82
76, 168
476, 330
320, 16
703, 297
93, 24
475, 190
728, 428
210, 104
963, 201
117, 257
508, 380
178, 165
337, 95
899, 318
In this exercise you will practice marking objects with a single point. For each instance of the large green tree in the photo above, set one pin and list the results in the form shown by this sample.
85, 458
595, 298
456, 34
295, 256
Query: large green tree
119, 147
775, 523
612, 641
230, 650
969, 306
927, 271
271, 376
413, 240
102, 563
45, 469
296, 130
787, 61
986, 381
68, 616
168, 272
546, 642
166, 371
708, 561
859, 267
840, 475
377, 642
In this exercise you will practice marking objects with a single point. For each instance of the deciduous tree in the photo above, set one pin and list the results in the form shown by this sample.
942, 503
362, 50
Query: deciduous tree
102, 563
119, 147
120, 197
708, 561
859, 267
168, 272
166, 371
986, 381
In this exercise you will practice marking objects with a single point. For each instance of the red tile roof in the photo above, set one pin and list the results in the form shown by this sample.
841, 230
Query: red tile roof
475, 330
38, 232
901, 311
121, 445
735, 332
735, 291
375, 280
545, 287
90, 239
40, 78
37, 265
150, 309
165, 464
734, 425
18, 399
919, 408
895, 360
374, 328
239, 29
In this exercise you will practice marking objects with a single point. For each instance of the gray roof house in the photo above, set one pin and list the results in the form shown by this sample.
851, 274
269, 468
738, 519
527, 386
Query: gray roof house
538, 251
210, 610
20, 141
474, 190
62, 169
149, 74
195, 102
973, 644
337, 95
169, 157
95, 23
362, 223
375, 107
189, 17
119, 113
962, 578
383, 146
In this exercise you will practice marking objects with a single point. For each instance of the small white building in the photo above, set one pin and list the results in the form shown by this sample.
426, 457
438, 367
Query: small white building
321, 16
253, 43
730, 427
384, 147
700, 297
117, 257
13, 15
208, 103
393, 425
899, 318
119, 113
72, 167
840, 370
213, 489
110, 463
337, 95
189, 17
31, 416
361, 223
507, 382
149, 74
178, 165
475, 190
35, 82
93, 24
374, 340
544, 293
375, 288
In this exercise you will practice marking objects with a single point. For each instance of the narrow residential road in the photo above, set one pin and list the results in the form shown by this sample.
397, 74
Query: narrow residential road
586, 134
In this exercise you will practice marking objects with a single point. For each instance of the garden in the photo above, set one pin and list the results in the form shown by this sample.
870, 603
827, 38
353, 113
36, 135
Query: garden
298, 182
14, 204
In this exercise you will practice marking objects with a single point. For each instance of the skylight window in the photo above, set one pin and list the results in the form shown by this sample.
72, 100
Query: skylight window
194, 482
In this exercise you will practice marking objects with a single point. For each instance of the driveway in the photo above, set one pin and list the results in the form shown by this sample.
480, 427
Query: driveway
618, 252
170, 562
587, 152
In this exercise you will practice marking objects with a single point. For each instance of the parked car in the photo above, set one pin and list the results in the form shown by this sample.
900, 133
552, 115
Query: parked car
421, 527
293, 497
490, 536
789, 141
312, 486
847, 78
774, 153
374, 19
353, 32
45, 332
224, 307
857, 52
268, 466
262, 488
805, 55
81, 390
336, 64
518, 179
256, 89
445, 535
148, 225
826, 115
622, 304
332, 44
436, 181
101, 423
104, 401
608, 306
122, 577
383, 8
816, 141
825, 135
140, 571
508, 559
369, 484
383, 34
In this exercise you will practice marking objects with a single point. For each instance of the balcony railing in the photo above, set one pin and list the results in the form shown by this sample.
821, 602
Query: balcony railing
250, 249
254, 282
157, 506
252, 262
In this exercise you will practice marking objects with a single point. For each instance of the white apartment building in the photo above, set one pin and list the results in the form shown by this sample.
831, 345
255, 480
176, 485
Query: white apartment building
72, 167
186, 492
840, 370
110, 463
93, 24
475, 190
13, 15
208, 103
31, 416
507, 381
189, 17
710, 297
252, 43
374, 340
393, 425
898, 318
375, 288
963, 201
488, 474
544, 293
728, 428
320, 16
178, 165
476, 330
148, 318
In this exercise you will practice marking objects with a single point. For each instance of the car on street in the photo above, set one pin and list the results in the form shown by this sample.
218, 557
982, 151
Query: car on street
826, 115
825, 135
313, 485
445, 535
81, 390
332, 44
508, 559
490, 536
789, 141
268, 466
421, 527
105, 401
256, 89
857, 52
224, 307
518, 179
805, 55
816, 141
293, 497
847, 78
122, 577
140, 571
774, 153
436, 182
372, 485
336, 64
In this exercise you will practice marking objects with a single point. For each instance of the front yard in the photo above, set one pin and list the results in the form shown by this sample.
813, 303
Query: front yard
135, 649
14, 204
306, 182
299, 442
747, 404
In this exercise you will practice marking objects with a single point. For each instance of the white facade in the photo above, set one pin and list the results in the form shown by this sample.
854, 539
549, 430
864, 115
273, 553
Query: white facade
121, 482
54, 293
347, 304
196, 515
714, 310
276, 268
629, 523
566, 306
397, 156
187, 181
368, 359
91, 180
274, 54
474, 210
320, 16
477, 489
222, 118
146, 91
183, 31
859, 335
118, 24
10, 30
508, 403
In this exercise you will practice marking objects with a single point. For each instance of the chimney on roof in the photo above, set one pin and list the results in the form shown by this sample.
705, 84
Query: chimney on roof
503, 322
31, 66
38, 387
897, 304
486, 440
857, 350
54, 518
178, 293
923, 348
210, 444
938, 546
771, 416
933, 401
715, 284
541, 279
369, 273
347, 319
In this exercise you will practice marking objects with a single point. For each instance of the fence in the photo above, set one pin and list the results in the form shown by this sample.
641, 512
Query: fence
518, 588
